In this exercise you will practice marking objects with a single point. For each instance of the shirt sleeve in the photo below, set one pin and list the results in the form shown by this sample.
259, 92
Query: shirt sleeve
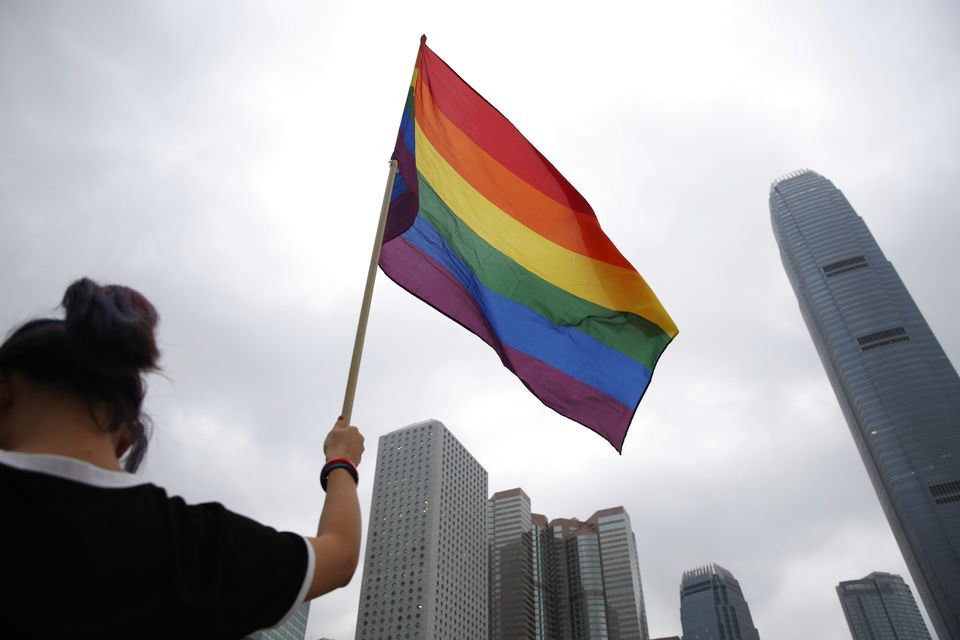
240, 574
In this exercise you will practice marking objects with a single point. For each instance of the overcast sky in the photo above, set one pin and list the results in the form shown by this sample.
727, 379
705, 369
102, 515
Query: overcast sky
228, 160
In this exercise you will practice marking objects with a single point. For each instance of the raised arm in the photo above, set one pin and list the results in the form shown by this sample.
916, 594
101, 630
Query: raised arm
337, 543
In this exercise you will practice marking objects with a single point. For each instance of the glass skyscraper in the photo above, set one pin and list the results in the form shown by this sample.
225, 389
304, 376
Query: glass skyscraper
896, 387
713, 607
563, 580
622, 587
518, 594
425, 566
881, 607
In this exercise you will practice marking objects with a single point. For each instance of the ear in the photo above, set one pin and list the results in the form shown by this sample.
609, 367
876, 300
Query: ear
121, 442
6, 394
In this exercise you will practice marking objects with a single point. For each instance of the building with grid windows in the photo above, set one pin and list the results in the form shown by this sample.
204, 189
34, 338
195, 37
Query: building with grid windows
425, 565
293, 628
713, 607
897, 389
564, 579
881, 607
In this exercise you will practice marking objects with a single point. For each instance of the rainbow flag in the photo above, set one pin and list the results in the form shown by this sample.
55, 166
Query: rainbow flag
483, 228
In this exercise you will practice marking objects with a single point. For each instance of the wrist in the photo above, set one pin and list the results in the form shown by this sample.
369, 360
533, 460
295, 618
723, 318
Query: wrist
336, 455
335, 464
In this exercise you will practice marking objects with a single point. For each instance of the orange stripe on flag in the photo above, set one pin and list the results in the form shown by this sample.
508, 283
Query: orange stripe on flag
540, 213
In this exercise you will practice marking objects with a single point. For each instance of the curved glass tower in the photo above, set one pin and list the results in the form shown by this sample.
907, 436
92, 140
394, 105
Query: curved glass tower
897, 389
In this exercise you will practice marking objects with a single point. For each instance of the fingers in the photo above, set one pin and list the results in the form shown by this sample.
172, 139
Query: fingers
344, 442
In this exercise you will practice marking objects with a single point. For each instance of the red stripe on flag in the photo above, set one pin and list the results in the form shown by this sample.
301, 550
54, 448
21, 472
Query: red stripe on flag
486, 126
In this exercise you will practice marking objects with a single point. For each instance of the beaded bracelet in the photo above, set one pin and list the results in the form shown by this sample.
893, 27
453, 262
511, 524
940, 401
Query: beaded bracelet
338, 463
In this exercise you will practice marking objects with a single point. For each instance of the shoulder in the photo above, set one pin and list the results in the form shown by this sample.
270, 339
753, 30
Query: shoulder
197, 565
70, 469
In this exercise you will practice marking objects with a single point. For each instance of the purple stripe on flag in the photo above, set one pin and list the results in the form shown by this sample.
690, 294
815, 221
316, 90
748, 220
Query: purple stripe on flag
403, 209
428, 280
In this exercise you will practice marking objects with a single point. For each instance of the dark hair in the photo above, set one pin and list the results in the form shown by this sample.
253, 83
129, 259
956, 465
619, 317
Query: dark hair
100, 351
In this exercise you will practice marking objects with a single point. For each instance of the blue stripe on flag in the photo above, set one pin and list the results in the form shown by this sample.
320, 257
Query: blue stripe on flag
565, 348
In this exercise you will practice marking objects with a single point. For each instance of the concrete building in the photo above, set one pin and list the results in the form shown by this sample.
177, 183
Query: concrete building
293, 628
425, 565
563, 579
897, 389
713, 607
881, 607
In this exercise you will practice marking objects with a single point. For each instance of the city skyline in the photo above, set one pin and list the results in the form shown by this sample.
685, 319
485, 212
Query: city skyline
898, 391
563, 578
228, 160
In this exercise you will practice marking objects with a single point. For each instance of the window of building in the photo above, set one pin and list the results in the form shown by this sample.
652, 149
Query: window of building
882, 338
843, 266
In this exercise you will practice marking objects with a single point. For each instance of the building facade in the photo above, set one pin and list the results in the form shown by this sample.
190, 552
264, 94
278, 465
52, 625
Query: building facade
713, 607
425, 564
881, 607
897, 389
626, 612
564, 579
293, 628
511, 566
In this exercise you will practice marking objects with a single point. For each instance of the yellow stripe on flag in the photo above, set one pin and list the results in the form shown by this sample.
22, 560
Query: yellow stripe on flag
599, 282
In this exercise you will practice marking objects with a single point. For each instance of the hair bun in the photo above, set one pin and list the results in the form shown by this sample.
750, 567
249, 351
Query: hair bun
110, 327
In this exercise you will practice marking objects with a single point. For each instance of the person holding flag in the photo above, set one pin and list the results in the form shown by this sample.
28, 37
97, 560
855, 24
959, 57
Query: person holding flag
92, 551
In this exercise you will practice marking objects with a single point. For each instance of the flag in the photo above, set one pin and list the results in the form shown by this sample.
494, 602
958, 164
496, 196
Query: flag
483, 228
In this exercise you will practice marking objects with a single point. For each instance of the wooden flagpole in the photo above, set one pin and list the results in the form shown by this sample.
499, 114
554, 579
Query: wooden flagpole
367, 296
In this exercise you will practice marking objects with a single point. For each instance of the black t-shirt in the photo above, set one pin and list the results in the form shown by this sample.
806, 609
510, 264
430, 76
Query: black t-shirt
91, 553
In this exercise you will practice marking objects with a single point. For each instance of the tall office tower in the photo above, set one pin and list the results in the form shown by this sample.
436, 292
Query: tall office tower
897, 389
546, 578
563, 530
293, 628
712, 606
881, 607
626, 612
425, 566
519, 562
563, 580
588, 611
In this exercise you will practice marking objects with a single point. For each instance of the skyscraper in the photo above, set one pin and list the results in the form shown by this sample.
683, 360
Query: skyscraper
626, 613
713, 607
517, 596
881, 607
293, 628
588, 611
566, 579
896, 387
425, 566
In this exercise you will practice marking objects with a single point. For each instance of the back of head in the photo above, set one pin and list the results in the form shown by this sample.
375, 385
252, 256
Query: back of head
100, 351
